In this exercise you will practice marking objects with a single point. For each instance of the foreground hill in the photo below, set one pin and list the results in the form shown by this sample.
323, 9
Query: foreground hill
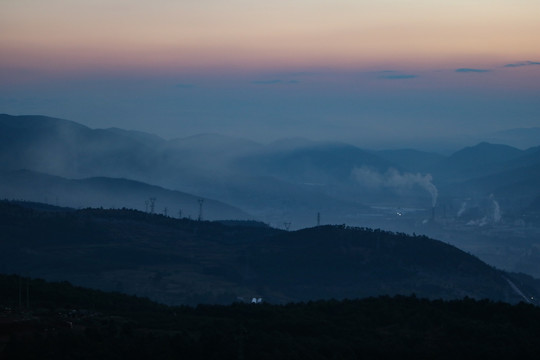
186, 262
67, 322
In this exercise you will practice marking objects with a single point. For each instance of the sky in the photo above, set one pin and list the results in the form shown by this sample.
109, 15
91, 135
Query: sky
352, 70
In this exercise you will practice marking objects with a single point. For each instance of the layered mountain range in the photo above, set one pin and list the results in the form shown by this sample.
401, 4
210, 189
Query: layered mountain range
483, 198
227, 168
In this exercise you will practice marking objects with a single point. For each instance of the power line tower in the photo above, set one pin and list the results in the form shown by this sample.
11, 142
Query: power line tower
146, 203
152, 204
201, 202
318, 219
287, 225
165, 211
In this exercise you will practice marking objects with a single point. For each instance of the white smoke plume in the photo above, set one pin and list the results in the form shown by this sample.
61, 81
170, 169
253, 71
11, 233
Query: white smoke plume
462, 209
392, 178
496, 209
492, 212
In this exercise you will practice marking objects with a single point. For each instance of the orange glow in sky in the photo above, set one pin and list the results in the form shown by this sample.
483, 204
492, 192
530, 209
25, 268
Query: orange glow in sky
257, 34
268, 69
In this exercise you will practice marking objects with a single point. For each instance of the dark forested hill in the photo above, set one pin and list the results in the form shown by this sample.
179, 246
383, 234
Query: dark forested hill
66, 322
183, 261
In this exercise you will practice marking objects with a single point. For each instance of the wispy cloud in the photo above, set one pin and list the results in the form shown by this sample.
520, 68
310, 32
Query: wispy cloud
470, 70
394, 75
273, 82
289, 74
398, 77
522, 63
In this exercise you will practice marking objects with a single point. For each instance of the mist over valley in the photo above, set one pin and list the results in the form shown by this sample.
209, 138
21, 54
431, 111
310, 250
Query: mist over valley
482, 198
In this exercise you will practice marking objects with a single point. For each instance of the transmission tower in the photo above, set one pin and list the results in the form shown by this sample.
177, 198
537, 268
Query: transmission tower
201, 202
287, 225
318, 219
152, 204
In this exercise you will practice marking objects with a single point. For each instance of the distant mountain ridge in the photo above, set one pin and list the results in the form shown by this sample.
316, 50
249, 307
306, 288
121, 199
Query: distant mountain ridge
478, 160
64, 148
412, 160
221, 166
314, 164
519, 137
110, 193
137, 135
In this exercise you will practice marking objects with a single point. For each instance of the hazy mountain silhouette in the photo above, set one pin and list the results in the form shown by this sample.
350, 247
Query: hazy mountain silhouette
143, 137
248, 174
511, 175
110, 193
64, 148
412, 160
479, 160
215, 144
322, 163
519, 137
288, 144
